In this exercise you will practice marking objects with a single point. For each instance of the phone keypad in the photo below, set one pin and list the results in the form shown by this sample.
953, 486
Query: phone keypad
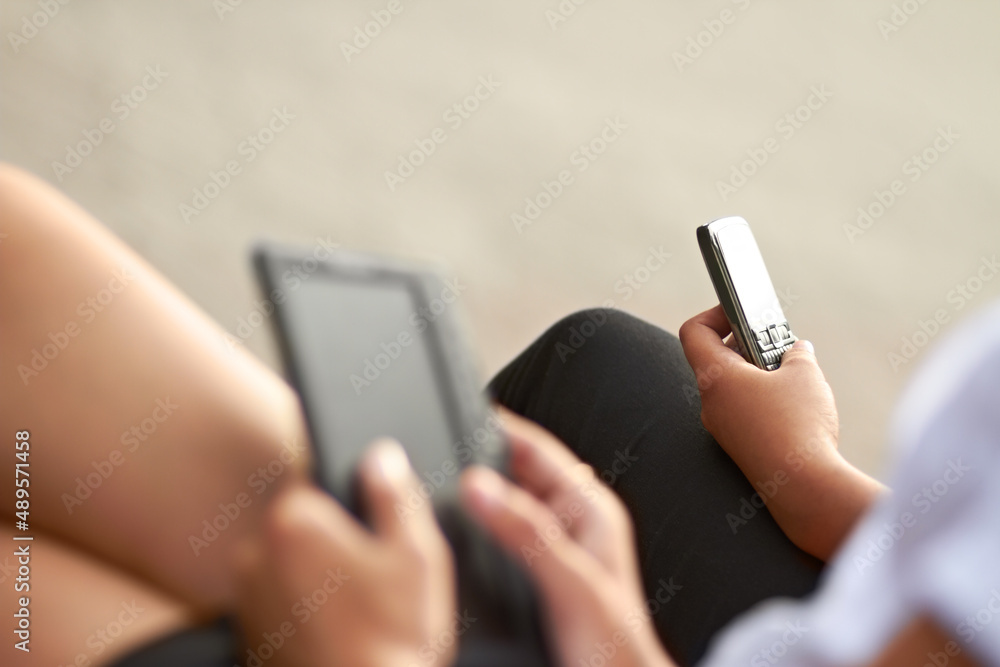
775, 335
772, 342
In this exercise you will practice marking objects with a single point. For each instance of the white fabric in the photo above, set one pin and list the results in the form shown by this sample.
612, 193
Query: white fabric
943, 561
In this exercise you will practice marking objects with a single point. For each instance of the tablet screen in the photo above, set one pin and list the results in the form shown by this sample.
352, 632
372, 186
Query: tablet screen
369, 372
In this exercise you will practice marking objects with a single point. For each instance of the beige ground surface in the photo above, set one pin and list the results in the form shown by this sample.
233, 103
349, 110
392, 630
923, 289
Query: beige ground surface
891, 83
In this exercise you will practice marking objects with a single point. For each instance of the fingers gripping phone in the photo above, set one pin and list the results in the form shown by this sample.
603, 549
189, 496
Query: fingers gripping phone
374, 347
745, 291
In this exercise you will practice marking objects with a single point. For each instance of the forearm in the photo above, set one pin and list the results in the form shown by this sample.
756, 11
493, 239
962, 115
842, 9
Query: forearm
814, 494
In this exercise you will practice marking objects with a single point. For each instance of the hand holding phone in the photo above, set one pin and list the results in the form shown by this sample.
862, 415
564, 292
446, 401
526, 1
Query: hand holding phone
781, 428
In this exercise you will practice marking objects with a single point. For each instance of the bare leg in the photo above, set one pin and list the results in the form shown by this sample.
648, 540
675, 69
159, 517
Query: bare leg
140, 380
81, 606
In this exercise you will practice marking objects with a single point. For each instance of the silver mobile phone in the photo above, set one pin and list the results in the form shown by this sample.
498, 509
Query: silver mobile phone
745, 291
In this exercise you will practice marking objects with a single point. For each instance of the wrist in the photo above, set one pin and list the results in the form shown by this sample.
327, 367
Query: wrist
827, 498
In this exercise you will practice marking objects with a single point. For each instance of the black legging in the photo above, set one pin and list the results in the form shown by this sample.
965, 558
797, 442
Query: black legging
620, 393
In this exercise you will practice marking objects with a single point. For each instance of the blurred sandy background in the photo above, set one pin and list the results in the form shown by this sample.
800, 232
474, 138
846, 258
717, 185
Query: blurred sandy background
892, 77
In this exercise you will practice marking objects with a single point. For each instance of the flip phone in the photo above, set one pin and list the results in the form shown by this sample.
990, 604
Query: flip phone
745, 291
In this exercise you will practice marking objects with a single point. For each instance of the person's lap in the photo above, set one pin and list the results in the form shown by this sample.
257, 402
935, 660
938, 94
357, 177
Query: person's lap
131, 537
621, 394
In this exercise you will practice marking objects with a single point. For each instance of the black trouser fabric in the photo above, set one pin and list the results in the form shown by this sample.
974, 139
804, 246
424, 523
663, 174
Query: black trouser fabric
620, 393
